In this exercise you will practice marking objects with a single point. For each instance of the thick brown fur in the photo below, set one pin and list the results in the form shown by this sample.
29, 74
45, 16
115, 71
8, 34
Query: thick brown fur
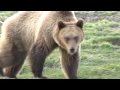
69, 64
33, 33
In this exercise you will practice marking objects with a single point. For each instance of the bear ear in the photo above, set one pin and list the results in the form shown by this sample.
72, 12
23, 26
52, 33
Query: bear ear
80, 23
61, 25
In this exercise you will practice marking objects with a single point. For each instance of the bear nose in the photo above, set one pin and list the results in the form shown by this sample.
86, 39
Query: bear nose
72, 50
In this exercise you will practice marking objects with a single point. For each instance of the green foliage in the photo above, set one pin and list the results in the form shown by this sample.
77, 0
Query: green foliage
5, 14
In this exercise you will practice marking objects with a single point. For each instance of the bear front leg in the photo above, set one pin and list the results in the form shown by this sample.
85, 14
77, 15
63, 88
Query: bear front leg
38, 55
69, 64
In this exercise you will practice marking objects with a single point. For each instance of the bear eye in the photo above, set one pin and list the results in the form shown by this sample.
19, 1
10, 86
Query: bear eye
67, 39
76, 38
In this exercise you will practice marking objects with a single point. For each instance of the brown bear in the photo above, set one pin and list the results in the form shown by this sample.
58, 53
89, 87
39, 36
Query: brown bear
36, 34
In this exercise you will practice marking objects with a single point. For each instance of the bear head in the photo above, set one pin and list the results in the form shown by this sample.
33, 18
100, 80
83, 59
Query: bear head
69, 35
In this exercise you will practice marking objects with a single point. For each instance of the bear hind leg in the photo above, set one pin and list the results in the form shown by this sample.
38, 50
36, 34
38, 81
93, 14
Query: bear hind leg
1, 71
12, 71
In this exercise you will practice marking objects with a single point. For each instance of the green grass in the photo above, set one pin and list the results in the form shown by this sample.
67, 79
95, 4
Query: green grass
100, 53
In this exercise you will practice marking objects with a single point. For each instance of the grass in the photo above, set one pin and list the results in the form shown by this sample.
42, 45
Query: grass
101, 50
100, 53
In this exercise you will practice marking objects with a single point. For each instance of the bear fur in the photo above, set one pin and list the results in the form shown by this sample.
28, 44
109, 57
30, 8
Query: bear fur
36, 34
